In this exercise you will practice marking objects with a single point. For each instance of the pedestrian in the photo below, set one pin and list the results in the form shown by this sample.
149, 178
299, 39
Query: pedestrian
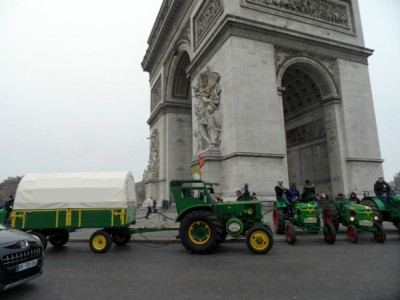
149, 203
353, 198
253, 196
9, 207
154, 206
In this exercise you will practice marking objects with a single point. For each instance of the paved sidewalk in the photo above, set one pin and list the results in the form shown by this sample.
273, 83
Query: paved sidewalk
166, 220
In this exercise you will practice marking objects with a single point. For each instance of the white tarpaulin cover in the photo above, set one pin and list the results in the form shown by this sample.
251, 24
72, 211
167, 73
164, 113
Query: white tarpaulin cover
75, 190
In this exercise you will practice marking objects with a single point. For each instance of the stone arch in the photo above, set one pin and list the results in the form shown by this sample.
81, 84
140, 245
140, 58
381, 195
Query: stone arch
306, 86
316, 70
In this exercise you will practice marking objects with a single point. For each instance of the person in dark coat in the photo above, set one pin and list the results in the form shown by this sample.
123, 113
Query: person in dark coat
279, 189
239, 195
294, 192
308, 190
382, 190
353, 198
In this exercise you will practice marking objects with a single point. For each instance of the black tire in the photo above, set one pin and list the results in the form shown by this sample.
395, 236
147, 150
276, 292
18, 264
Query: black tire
41, 237
278, 218
259, 239
329, 233
290, 233
374, 207
59, 239
331, 216
200, 232
352, 233
121, 238
380, 233
100, 241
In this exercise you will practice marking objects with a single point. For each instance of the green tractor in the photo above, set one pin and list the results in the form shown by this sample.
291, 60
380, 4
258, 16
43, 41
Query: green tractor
304, 215
356, 217
390, 213
205, 220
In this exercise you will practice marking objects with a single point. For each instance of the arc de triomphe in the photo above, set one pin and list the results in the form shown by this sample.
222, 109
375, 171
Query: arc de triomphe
264, 90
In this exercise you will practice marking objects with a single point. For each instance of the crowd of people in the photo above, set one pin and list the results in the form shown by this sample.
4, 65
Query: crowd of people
381, 189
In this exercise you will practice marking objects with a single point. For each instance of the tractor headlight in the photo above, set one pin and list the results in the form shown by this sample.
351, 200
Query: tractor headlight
376, 218
352, 218
250, 211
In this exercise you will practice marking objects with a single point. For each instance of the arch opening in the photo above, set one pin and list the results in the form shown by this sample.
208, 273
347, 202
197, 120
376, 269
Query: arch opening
304, 92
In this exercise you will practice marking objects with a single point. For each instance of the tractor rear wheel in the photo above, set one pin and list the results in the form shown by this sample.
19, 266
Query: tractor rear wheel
290, 234
278, 216
41, 237
121, 238
259, 239
380, 233
200, 231
59, 239
331, 216
329, 233
352, 233
100, 241
374, 207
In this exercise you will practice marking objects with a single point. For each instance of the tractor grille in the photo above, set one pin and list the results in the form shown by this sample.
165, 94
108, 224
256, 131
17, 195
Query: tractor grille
14, 259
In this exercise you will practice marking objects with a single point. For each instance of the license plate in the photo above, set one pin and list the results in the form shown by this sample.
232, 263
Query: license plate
365, 223
27, 265
310, 220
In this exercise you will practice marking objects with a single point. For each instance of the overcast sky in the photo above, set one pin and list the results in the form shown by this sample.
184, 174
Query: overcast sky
73, 96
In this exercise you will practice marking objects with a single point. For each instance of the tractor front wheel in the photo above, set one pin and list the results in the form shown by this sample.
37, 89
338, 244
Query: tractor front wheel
290, 234
200, 231
329, 233
352, 233
331, 216
100, 241
278, 216
379, 233
259, 239
59, 239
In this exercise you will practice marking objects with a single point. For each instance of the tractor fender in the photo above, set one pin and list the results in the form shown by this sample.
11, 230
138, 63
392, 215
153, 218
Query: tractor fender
378, 203
280, 203
192, 208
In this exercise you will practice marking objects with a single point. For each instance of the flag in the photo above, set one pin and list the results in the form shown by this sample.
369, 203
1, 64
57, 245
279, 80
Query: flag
201, 161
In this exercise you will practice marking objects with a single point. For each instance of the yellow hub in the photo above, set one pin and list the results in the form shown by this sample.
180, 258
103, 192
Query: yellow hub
199, 232
259, 240
99, 242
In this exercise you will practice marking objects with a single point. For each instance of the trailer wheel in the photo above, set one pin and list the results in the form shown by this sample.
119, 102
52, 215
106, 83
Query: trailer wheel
352, 233
100, 241
329, 233
41, 237
290, 234
59, 239
121, 238
200, 231
259, 239
380, 233
278, 217
331, 216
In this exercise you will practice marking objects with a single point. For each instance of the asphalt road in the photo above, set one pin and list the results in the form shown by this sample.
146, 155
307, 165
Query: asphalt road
166, 271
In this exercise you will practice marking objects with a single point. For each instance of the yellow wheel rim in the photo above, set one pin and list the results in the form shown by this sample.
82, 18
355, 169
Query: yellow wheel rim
99, 242
199, 232
259, 240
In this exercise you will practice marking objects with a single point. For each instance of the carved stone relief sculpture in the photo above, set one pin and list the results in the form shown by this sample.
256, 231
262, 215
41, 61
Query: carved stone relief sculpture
208, 116
156, 94
154, 160
322, 10
207, 16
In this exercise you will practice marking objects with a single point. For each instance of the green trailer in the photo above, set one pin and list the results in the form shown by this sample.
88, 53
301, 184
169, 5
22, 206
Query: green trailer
3, 215
51, 206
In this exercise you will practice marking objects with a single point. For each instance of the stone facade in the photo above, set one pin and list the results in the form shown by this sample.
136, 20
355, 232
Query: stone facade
9, 187
263, 90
